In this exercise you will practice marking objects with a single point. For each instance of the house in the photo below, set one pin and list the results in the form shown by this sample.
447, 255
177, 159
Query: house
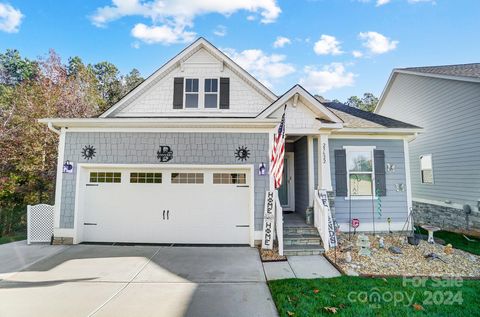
444, 159
180, 159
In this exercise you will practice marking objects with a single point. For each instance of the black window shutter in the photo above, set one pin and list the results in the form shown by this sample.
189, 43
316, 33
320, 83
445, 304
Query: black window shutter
178, 93
341, 173
380, 179
224, 93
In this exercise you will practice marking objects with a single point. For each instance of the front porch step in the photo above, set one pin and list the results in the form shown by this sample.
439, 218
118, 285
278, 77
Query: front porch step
300, 230
301, 239
290, 250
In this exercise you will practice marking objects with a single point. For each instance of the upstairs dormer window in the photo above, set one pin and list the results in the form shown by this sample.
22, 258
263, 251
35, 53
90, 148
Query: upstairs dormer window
211, 93
191, 92
201, 93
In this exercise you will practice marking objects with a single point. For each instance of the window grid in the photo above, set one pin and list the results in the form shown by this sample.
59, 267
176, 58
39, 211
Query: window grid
187, 178
191, 92
426, 169
229, 178
211, 93
146, 178
360, 172
105, 177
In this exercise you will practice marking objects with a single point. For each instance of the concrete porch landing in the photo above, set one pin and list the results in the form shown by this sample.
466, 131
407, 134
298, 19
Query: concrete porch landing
295, 220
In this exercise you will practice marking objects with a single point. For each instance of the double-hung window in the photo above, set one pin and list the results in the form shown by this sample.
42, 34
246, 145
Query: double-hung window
211, 93
191, 92
426, 168
360, 171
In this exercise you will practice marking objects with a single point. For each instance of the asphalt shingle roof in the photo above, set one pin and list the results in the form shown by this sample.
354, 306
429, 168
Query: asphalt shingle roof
460, 70
356, 118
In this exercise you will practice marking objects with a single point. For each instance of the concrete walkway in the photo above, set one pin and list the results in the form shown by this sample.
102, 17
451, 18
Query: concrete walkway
313, 266
92, 280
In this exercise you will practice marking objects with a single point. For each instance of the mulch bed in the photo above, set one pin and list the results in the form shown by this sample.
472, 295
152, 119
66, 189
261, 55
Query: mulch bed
271, 255
412, 262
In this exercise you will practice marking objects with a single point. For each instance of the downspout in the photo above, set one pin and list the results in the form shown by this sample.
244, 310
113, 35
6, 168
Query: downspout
51, 128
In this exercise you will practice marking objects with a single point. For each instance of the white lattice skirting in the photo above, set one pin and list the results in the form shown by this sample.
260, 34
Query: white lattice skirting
39, 223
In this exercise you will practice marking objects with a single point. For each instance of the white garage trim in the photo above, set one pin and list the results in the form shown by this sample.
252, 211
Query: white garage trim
82, 173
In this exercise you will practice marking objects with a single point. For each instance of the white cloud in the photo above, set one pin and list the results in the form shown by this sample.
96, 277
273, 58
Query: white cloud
176, 16
357, 54
161, 34
266, 68
220, 30
10, 18
382, 2
327, 45
377, 43
320, 80
281, 41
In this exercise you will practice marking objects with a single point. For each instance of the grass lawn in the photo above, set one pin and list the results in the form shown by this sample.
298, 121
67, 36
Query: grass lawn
457, 240
346, 295
14, 238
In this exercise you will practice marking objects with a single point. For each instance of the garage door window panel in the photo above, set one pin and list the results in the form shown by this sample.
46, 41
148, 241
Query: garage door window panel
187, 178
229, 178
146, 178
105, 177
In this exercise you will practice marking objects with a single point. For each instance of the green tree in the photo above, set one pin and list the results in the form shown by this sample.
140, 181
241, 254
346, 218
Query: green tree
14, 69
109, 83
132, 80
367, 103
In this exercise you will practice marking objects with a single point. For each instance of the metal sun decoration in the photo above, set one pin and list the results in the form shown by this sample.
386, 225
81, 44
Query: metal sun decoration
242, 153
88, 152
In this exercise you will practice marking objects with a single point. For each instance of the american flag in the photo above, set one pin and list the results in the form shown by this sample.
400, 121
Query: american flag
278, 153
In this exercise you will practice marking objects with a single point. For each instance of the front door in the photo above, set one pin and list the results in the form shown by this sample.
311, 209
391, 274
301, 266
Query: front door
286, 192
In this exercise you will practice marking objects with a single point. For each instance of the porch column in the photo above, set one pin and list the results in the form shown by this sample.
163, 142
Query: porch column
324, 175
311, 171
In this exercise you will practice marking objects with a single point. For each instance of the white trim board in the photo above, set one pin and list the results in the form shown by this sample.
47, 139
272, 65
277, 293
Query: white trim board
59, 179
308, 100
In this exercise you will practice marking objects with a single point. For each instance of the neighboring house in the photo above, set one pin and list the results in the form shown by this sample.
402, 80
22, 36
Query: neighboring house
445, 158
178, 159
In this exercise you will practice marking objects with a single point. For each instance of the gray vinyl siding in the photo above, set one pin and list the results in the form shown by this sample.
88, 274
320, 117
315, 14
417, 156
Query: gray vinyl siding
394, 204
301, 176
141, 148
449, 112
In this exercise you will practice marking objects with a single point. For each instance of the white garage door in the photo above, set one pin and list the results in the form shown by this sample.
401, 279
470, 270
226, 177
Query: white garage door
166, 206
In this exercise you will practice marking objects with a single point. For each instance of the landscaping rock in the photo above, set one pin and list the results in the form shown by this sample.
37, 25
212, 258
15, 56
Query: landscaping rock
411, 263
351, 272
395, 250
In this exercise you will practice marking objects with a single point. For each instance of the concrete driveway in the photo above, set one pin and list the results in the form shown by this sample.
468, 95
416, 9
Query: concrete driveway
94, 280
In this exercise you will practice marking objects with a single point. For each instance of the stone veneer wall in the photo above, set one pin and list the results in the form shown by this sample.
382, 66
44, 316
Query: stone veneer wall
446, 217
141, 148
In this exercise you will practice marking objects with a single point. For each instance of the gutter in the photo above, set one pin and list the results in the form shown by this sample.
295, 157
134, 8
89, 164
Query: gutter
51, 128
56, 123
381, 130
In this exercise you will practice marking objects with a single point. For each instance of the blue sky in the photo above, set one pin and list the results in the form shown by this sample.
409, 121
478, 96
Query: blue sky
319, 37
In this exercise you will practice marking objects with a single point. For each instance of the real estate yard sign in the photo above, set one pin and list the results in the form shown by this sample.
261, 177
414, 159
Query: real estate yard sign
268, 221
